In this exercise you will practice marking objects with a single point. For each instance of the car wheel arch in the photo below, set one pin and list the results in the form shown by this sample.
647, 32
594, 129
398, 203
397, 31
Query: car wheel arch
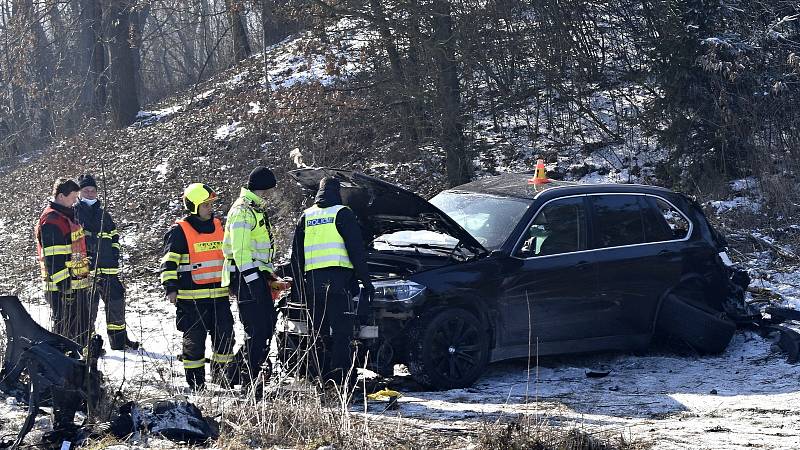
689, 282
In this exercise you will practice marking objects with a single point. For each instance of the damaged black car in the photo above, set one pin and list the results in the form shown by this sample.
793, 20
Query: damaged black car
501, 268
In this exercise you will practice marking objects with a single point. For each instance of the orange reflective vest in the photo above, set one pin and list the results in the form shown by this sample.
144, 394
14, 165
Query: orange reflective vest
205, 253
73, 252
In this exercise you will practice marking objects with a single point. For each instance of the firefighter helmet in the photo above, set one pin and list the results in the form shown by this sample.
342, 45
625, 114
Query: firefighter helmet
195, 194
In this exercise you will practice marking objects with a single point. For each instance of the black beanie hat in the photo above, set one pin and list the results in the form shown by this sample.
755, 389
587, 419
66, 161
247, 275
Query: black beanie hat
261, 179
86, 180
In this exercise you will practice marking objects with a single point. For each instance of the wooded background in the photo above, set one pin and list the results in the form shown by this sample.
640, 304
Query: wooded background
714, 83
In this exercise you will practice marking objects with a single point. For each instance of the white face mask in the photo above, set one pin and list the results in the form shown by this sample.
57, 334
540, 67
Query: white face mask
89, 202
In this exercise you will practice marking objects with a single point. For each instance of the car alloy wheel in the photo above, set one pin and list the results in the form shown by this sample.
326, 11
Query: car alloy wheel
449, 349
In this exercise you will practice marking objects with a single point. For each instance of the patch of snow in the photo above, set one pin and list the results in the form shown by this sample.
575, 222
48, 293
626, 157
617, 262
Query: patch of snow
622, 176
722, 206
297, 157
150, 117
255, 108
226, 131
162, 170
236, 79
744, 184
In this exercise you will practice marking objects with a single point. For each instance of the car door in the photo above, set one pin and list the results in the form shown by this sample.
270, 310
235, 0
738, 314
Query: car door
638, 258
550, 294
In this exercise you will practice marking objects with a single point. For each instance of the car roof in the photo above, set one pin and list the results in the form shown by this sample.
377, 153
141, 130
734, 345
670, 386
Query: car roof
517, 185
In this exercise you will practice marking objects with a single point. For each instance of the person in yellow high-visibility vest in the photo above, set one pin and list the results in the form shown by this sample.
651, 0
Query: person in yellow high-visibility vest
328, 253
248, 247
191, 273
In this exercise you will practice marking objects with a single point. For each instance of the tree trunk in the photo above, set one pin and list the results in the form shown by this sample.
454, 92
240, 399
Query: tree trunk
138, 19
124, 97
405, 111
241, 46
208, 41
458, 165
92, 58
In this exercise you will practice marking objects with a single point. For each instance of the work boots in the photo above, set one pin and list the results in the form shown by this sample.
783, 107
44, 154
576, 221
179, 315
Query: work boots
118, 339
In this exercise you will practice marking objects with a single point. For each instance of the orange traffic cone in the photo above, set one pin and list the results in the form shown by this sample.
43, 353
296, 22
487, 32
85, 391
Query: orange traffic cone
540, 177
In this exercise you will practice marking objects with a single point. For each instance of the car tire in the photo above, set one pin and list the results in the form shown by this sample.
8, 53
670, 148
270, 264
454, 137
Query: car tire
704, 330
448, 349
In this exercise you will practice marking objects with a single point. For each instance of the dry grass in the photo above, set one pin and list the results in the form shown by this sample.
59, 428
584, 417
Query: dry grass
525, 434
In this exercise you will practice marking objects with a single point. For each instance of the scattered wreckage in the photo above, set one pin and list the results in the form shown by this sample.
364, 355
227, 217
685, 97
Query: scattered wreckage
508, 266
41, 369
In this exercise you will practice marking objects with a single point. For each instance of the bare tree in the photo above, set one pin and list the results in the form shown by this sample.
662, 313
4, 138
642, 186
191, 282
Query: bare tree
241, 45
122, 81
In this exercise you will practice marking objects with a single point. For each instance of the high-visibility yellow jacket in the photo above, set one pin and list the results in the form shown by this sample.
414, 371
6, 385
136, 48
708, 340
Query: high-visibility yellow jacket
323, 245
248, 245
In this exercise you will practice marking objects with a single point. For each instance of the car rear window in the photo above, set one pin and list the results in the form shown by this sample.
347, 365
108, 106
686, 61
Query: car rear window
663, 222
618, 220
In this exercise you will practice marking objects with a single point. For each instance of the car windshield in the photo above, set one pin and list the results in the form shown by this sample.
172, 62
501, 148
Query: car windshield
489, 218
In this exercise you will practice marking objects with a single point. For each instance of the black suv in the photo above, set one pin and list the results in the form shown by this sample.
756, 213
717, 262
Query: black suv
500, 268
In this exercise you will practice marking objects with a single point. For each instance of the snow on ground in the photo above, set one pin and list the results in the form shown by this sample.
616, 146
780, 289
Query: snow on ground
749, 396
228, 130
746, 203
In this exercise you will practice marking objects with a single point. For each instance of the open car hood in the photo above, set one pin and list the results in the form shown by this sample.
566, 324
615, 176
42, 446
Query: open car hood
383, 207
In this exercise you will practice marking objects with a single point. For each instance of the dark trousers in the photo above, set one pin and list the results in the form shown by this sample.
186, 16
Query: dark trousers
328, 297
112, 291
71, 315
258, 319
196, 320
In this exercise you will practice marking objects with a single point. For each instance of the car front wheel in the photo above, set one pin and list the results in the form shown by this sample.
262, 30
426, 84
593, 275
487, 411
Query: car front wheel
448, 349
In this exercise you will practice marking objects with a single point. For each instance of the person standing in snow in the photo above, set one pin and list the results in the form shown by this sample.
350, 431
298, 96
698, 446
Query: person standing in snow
249, 273
61, 251
191, 273
102, 244
328, 253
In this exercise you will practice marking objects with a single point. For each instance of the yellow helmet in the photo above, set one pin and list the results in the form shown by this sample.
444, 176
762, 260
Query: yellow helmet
195, 194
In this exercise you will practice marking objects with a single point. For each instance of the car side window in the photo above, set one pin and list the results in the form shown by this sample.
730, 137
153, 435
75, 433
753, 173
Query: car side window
559, 227
664, 222
617, 220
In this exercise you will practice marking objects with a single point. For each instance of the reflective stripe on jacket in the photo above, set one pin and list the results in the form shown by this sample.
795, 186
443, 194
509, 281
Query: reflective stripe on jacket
323, 246
248, 237
102, 237
62, 253
176, 254
205, 254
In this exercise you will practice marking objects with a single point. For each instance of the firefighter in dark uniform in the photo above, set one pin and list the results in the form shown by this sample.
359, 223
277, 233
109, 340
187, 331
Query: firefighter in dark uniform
102, 244
328, 253
61, 250
191, 273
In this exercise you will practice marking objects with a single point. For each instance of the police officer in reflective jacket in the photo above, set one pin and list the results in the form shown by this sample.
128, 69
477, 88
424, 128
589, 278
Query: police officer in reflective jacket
191, 273
102, 244
328, 253
249, 248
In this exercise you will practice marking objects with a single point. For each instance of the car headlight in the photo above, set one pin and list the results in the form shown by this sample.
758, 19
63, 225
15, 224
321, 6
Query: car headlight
397, 290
